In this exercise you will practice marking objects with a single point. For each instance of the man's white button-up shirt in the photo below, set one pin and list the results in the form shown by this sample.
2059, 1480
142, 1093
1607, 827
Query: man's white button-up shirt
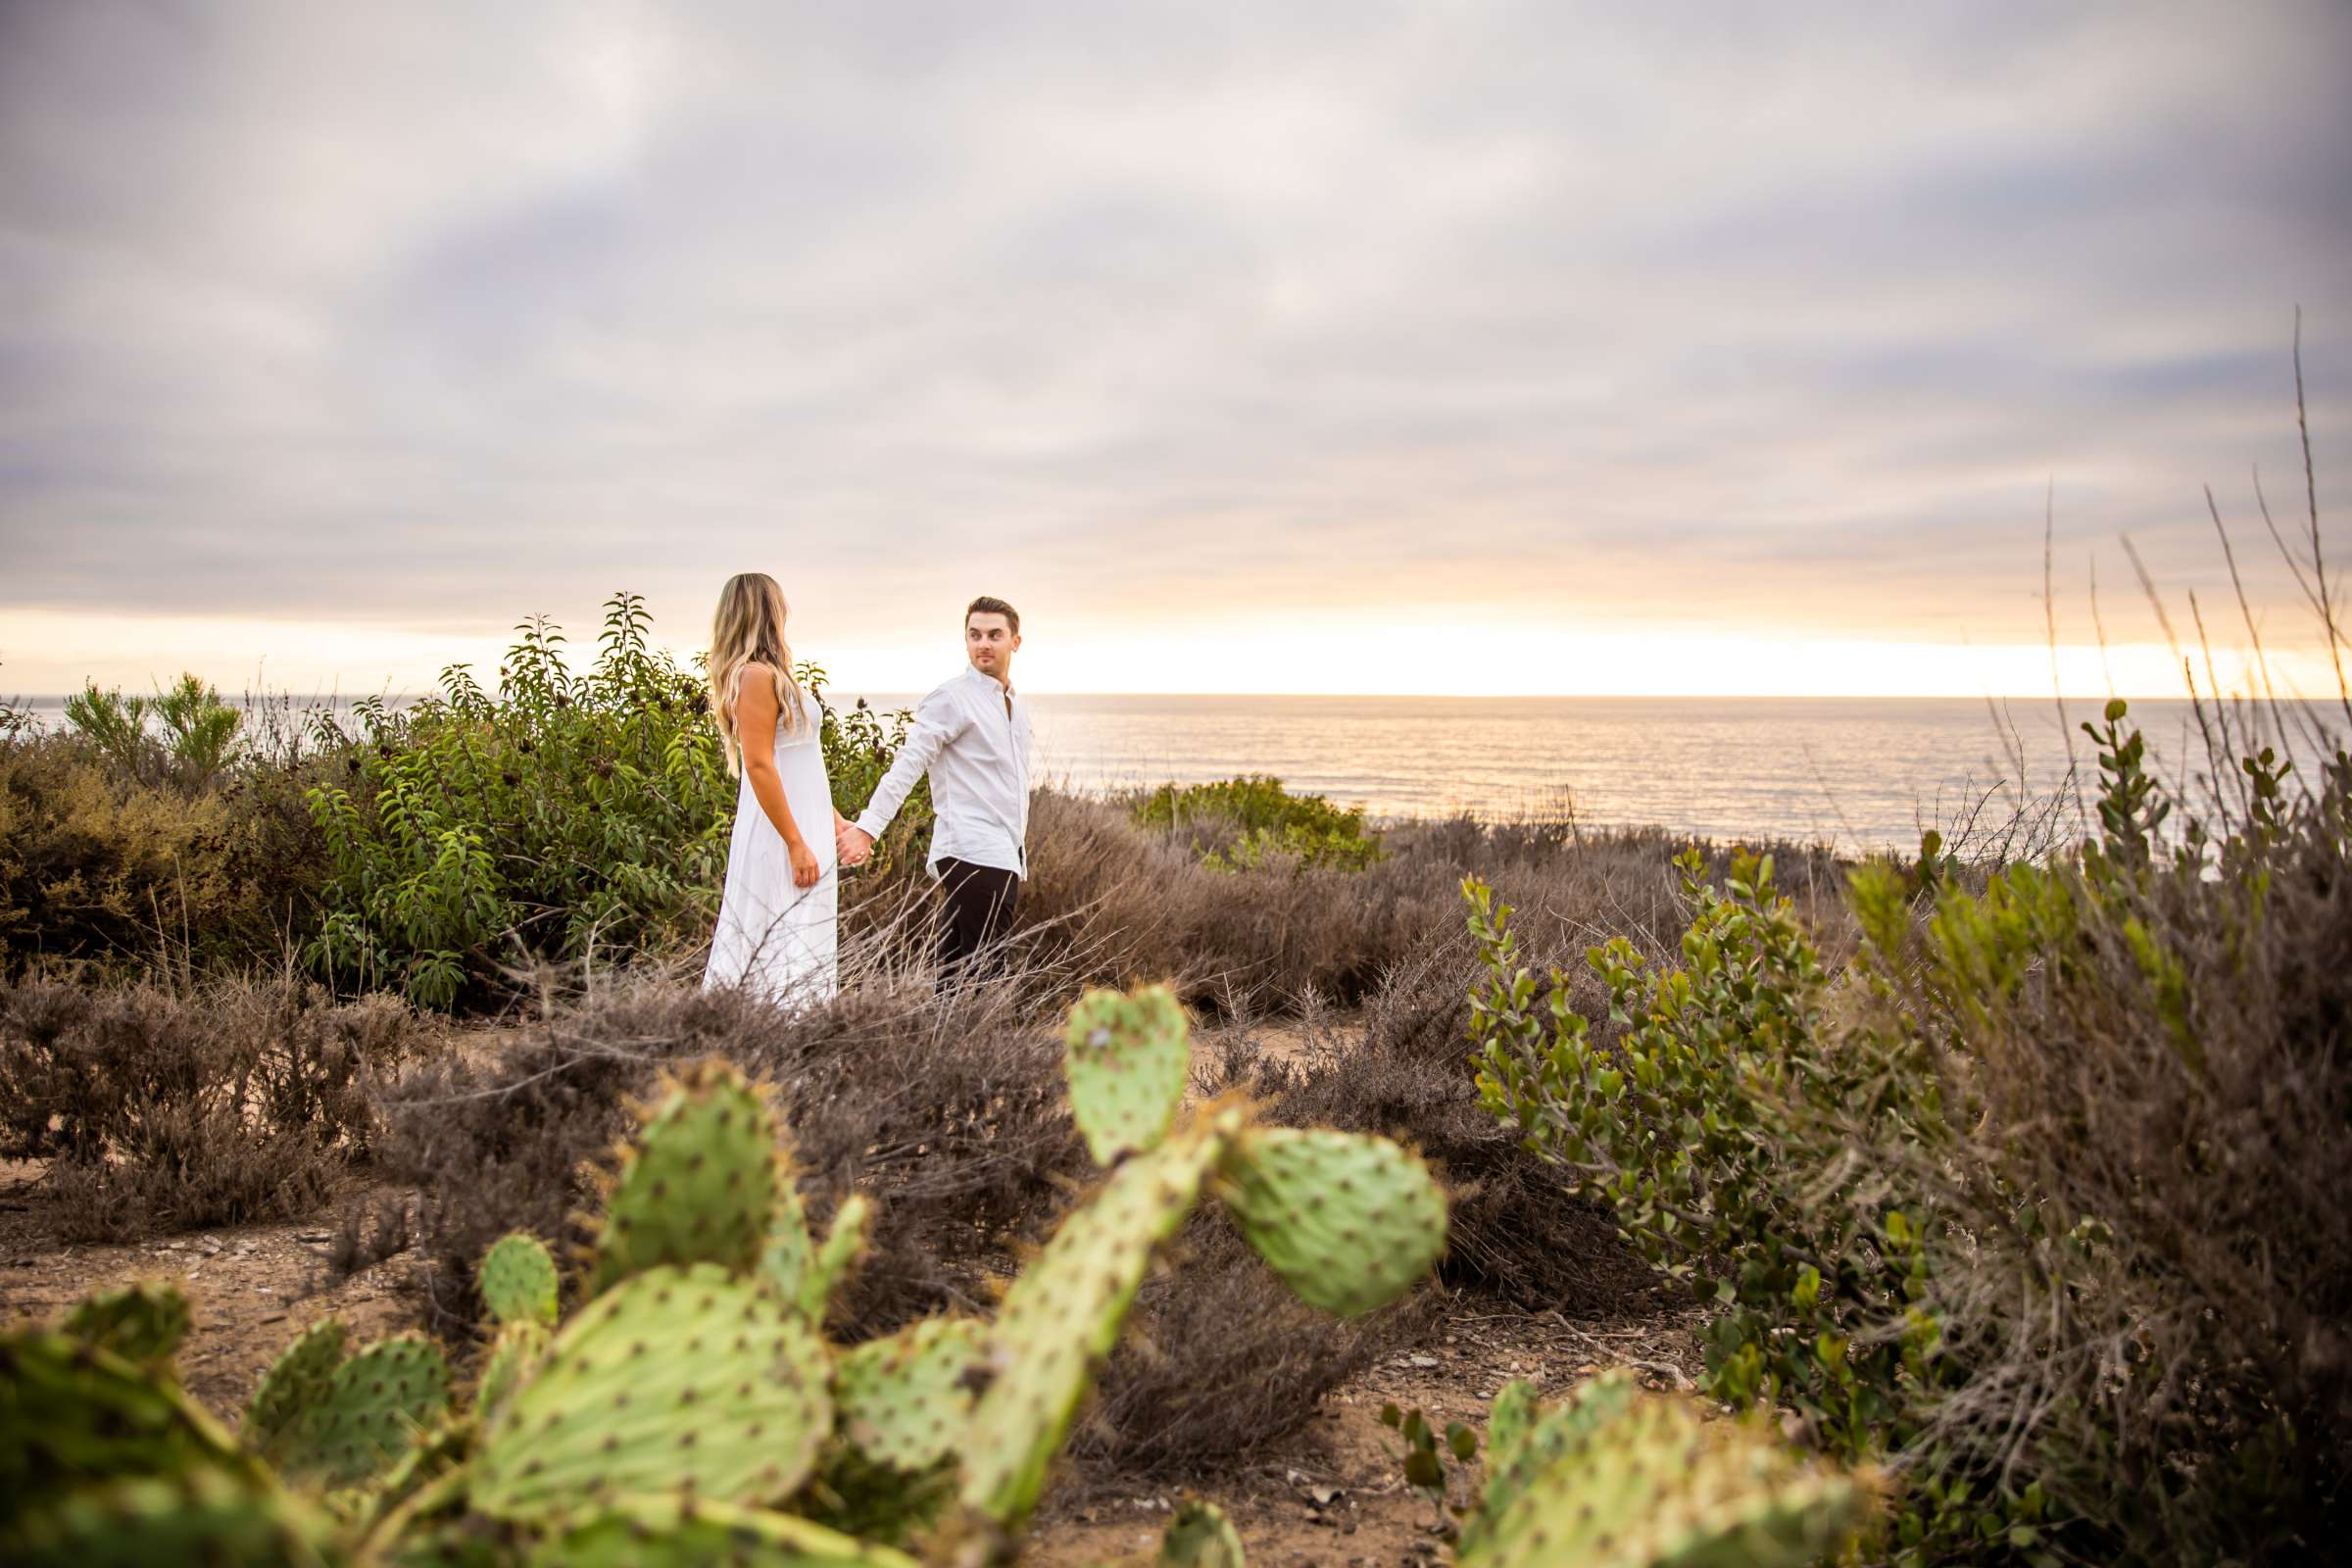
972, 736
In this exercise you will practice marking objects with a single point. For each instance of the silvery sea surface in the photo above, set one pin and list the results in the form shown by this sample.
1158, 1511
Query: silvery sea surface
1863, 773
1860, 773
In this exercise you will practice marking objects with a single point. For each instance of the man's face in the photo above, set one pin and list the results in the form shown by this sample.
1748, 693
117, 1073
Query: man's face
988, 642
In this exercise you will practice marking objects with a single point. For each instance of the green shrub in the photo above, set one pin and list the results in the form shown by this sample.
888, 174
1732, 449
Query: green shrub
566, 815
2019, 1200
1253, 824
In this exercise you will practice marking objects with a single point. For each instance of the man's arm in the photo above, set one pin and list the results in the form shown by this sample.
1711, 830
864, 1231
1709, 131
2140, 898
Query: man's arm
939, 720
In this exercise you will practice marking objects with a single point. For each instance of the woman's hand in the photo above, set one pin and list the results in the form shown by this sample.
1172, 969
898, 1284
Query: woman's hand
804, 870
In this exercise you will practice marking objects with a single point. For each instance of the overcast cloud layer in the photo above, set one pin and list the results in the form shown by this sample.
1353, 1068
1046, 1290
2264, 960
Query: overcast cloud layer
1756, 316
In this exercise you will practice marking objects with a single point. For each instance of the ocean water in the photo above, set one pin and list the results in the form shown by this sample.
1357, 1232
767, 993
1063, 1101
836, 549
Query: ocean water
1862, 773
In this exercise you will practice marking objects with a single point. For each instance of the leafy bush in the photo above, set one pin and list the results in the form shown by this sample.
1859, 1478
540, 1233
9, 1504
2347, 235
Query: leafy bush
2021, 1198
566, 815
236, 1103
1252, 824
102, 867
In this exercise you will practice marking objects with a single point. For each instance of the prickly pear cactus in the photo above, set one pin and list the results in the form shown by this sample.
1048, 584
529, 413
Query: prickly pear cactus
660, 1532
1202, 1536
517, 1281
700, 1184
1526, 1440
204, 1514
70, 1414
1349, 1222
1639, 1482
678, 1381
516, 1354
843, 1250
1516, 1411
143, 1322
1063, 1315
368, 1413
294, 1384
1126, 1060
907, 1399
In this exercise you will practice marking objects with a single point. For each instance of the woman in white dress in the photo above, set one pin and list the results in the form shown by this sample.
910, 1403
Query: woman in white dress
775, 932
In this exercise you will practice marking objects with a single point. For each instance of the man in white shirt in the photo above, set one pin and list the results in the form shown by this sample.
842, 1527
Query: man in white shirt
972, 736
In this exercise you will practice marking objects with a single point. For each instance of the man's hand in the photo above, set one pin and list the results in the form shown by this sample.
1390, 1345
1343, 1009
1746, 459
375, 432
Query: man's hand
852, 844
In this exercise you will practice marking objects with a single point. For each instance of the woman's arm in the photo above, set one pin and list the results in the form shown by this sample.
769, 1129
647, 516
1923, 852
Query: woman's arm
756, 733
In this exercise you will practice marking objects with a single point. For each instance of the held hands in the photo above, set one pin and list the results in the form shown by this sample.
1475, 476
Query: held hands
852, 843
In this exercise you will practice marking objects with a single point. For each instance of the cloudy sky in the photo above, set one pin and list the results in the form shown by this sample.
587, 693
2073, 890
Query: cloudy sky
1451, 347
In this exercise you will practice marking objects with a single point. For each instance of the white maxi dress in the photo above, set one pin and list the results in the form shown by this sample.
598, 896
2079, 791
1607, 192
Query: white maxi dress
775, 938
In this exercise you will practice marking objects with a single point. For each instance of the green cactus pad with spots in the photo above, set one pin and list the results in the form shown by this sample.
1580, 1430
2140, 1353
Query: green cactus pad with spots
514, 1355
1516, 1412
142, 1322
1349, 1222
789, 1256
368, 1413
1202, 1536
1126, 1060
677, 1381
294, 1384
70, 1414
207, 1514
1525, 1439
517, 1280
700, 1184
843, 1250
907, 1399
654, 1532
1063, 1315
1631, 1482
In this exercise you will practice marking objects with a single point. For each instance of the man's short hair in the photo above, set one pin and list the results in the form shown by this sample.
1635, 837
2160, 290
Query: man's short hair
985, 606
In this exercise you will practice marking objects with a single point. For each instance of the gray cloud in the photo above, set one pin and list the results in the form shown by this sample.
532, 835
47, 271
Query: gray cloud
437, 315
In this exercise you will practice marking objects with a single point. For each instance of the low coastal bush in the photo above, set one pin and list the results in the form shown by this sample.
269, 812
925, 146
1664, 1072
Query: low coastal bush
1253, 823
2035, 1197
238, 1102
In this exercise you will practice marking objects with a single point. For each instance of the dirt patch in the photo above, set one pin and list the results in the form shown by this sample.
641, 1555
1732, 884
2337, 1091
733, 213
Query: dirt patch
252, 1288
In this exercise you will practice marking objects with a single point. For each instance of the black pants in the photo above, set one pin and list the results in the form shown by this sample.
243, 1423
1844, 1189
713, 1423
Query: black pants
981, 900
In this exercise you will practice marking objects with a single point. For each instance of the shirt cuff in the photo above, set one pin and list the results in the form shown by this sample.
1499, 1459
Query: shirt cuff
866, 825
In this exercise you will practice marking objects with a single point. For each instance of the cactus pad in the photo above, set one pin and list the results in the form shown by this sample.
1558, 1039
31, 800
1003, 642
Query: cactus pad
1633, 1481
206, 1515
677, 1381
656, 1533
143, 1322
700, 1184
70, 1414
294, 1384
1349, 1222
514, 1357
517, 1281
1516, 1411
843, 1250
1127, 1061
906, 1399
1063, 1315
1202, 1536
368, 1412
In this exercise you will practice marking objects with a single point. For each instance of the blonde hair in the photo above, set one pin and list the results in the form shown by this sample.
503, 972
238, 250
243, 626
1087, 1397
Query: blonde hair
749, 627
